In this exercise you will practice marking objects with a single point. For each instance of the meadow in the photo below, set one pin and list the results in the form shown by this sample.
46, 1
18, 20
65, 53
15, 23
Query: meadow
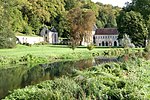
45, 50
45, 53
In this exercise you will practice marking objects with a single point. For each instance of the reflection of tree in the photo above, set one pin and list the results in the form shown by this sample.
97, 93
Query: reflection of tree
58, 69
22, 76
33, 76
11, 78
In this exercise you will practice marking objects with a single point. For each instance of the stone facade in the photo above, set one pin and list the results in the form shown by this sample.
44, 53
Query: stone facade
28, 39
106, 37
50, 36
46, 35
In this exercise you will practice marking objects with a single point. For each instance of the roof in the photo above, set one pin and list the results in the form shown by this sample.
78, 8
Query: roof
107, 31
53, 29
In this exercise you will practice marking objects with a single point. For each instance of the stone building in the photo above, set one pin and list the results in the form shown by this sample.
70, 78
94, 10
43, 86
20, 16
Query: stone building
46, 35
50, 36
106, 37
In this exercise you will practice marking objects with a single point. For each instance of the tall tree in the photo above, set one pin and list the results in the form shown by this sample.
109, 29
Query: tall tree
81, 24
7, 37
107, 16
69, 4
141, 6
38, 13
132, 24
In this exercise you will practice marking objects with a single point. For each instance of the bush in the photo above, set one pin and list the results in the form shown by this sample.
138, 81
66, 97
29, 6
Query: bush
7, 42
147, 48
90, 47
111, 81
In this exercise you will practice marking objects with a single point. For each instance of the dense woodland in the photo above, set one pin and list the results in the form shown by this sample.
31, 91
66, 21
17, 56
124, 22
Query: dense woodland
72, 18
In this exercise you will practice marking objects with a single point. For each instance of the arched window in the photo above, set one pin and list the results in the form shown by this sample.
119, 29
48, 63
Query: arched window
94, 39
55, 38
99, 44
106, 43
103, 44
115, 43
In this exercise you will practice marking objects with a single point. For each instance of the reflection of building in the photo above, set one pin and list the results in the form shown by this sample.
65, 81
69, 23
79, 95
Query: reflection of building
50, 36
106, 37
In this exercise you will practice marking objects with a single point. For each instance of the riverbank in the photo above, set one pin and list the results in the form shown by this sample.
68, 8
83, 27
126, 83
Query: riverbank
111, 81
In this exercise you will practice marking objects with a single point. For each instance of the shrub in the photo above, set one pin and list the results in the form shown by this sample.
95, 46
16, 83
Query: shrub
111, 81
147, 48
90, 47
7, 42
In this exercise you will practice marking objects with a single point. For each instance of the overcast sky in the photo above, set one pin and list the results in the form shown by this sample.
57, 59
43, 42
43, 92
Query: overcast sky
119, 3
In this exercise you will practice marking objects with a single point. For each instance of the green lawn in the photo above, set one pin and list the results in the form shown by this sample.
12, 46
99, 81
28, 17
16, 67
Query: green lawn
45, 50
48, 53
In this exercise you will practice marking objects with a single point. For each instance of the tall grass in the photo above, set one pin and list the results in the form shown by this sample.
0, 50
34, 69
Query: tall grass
112, 81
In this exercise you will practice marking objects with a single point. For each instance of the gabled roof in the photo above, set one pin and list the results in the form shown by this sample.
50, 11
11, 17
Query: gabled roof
107, 31
53, 29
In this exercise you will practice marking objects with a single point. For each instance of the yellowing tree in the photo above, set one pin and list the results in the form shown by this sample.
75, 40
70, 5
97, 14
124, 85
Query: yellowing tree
81, 23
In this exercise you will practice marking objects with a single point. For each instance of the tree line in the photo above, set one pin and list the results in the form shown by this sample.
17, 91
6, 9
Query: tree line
72, 18
134, 20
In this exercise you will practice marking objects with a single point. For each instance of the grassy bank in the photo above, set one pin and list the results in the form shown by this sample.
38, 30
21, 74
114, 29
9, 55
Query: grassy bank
47, 53
111, 81
44, 53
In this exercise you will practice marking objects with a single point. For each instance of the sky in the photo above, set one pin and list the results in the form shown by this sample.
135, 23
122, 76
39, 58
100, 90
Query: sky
119, 3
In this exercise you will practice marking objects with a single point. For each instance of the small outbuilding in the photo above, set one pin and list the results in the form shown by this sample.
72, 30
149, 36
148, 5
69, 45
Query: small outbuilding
50, 36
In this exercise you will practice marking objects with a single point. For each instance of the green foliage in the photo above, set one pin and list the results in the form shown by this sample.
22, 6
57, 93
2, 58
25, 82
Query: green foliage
27, 30
111, 81
147, 48
28, 16
69, 4
117, 52
143, 7
107, 16
90, 47
7, 37
126, 42
81, 25
59, 89
33, 59
6, 42
132, 24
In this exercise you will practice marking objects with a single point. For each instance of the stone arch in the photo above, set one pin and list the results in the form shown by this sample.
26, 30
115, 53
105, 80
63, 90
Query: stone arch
106, 43
103, 44
115, 43
99, 44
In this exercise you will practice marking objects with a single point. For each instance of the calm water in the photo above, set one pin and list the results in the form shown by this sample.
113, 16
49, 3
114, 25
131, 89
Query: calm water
23, 75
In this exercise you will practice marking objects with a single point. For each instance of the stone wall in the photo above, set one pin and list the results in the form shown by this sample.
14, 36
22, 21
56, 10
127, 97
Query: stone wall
30, 40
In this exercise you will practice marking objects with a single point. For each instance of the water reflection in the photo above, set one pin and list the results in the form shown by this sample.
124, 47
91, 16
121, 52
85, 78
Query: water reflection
23, 75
